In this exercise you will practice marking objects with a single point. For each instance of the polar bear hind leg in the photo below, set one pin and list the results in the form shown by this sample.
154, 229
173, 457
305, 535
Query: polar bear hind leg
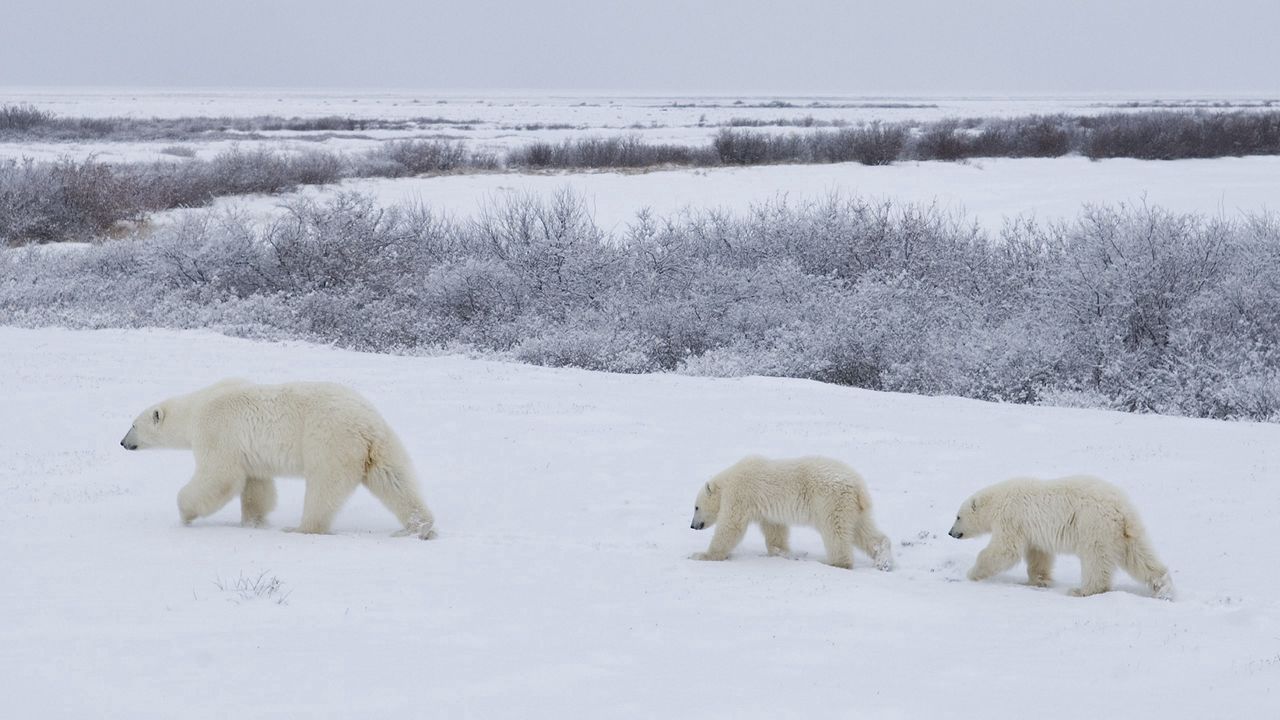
327, 491
401, 498
1139, 560
868, 538
1096, 568
837, 538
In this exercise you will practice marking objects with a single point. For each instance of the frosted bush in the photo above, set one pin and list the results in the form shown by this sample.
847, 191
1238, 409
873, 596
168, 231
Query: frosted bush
1125, 307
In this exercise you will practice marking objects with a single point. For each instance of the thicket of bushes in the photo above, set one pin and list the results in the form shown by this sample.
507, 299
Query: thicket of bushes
80, 200
1144, 135
875, 144
29, 123
1131, 308
615, 152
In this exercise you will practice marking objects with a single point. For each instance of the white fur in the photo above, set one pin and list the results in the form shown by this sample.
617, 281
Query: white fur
244, 435
1080, 515
814, 491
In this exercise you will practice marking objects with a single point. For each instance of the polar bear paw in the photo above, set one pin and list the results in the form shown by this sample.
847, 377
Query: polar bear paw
306, 531
425, 533
883, 557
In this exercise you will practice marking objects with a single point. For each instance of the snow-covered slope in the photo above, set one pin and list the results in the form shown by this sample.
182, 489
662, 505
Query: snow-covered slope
560, 585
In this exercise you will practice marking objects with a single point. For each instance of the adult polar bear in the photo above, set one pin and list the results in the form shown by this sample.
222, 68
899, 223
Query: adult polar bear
243, 435
1080, 515
815, 491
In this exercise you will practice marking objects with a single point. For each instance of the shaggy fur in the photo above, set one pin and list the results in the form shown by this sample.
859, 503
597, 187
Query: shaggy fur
1082, 516
244, 435
815, 491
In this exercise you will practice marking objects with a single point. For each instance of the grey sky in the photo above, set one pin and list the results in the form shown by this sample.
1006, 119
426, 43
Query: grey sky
660, 46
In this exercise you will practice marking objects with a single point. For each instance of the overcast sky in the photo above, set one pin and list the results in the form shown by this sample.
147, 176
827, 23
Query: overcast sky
657, 46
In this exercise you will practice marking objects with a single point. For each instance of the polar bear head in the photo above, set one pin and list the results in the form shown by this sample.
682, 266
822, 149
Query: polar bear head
149, 430
706, 507
972, 519
168, 423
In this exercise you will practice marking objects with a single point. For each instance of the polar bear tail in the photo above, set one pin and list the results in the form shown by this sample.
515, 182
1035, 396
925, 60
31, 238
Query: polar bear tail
389, 476
1140, 561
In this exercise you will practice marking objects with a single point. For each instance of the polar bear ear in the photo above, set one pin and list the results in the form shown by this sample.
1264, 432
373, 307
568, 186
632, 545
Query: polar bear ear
711, 489
157, 415
973, 504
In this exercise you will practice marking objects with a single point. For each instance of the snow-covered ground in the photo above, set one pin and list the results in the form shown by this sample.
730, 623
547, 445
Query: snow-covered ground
988, 190
561, 586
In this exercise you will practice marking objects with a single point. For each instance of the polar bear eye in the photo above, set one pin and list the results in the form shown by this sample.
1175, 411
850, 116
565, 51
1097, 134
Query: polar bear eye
695, 508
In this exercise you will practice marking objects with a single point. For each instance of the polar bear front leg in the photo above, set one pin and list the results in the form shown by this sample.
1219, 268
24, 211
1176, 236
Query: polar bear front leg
999, 555
776, 537
1039, 567
728, 534
257, 500
209, 490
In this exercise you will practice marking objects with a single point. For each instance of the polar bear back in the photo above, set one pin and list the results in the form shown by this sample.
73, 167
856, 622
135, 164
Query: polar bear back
1064, 514
794, 491
285, 429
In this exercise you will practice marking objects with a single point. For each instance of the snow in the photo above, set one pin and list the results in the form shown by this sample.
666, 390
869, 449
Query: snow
986, 190
561, 586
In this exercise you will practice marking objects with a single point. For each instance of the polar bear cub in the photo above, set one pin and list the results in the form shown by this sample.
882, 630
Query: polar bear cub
1079, 515
244, 435
814, 491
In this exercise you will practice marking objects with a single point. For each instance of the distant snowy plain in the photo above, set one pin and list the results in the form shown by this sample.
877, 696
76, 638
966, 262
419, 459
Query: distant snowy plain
560, 585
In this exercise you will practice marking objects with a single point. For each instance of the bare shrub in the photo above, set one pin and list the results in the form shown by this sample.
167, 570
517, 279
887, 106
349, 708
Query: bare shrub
178, 151
613, 152
416, 157
22, 118
259, 587
1174, 135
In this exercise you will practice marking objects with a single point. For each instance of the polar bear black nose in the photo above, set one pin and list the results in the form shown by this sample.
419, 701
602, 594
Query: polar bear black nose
956, 535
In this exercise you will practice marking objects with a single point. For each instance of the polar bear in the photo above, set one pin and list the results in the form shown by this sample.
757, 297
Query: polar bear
1079, 515
243, 435
815, 491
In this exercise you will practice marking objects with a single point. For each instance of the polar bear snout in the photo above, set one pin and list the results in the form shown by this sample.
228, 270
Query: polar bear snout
956, 534
128, 442
697, 524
